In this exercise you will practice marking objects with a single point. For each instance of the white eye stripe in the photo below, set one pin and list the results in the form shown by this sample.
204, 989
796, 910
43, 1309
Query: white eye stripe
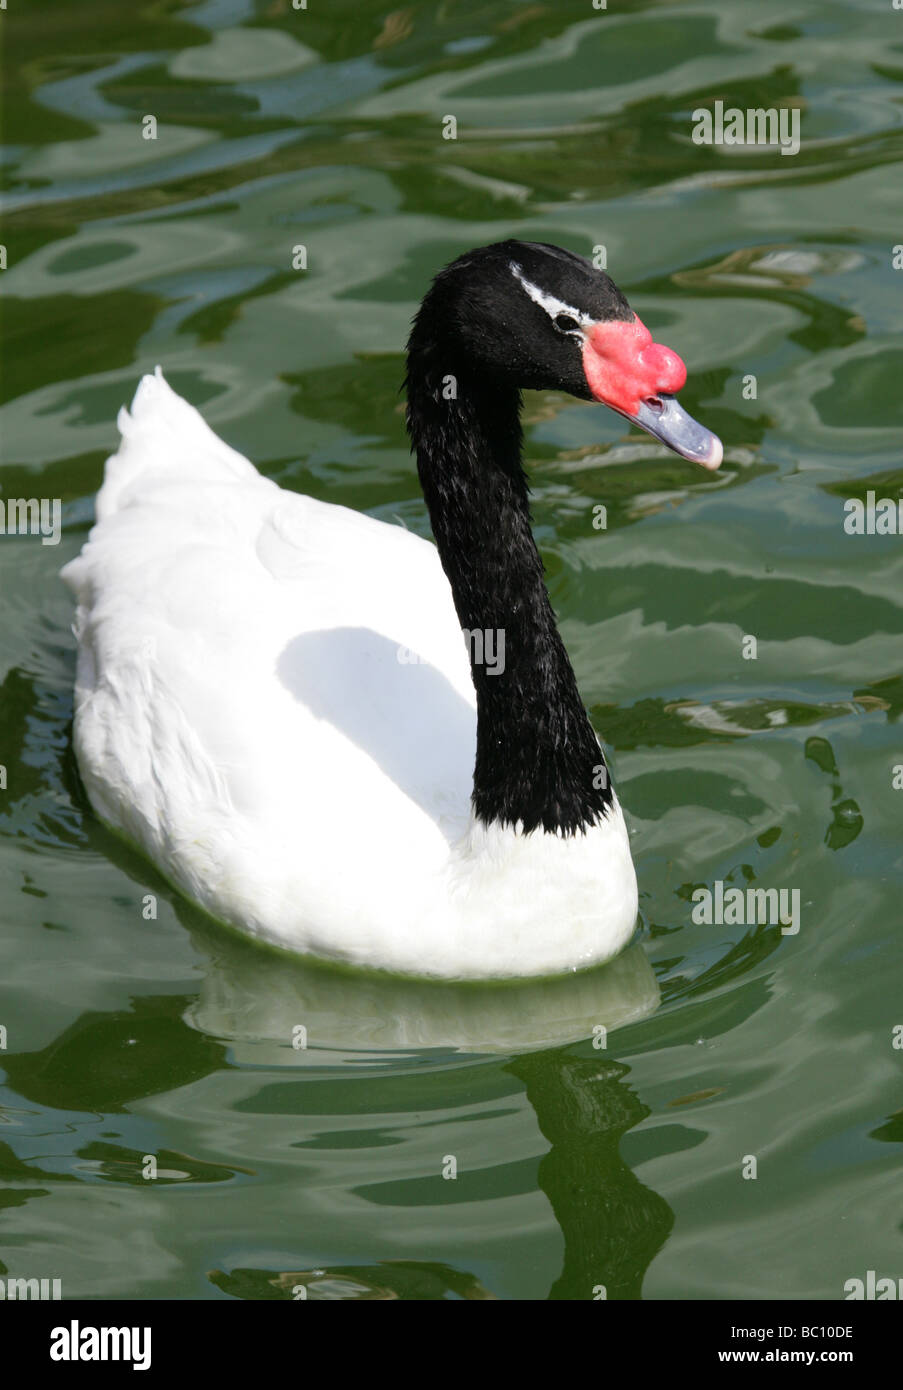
548, 302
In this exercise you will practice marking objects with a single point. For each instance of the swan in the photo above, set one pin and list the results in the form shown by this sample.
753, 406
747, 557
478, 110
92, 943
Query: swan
274, 700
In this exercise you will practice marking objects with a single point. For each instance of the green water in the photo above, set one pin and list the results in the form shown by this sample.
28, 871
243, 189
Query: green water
577, 1166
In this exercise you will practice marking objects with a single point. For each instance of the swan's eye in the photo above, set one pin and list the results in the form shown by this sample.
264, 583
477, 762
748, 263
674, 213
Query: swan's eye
565, 323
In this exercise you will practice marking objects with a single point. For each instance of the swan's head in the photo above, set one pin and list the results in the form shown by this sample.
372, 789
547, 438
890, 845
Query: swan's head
531, 315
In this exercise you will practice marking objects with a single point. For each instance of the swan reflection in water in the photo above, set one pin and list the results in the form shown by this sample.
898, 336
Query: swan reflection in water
612, 1224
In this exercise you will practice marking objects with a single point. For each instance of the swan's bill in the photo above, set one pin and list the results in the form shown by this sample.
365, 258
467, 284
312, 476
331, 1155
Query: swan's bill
664, 417
639, 378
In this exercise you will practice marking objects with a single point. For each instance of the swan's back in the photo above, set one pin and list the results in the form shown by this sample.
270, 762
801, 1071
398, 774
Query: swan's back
273, 696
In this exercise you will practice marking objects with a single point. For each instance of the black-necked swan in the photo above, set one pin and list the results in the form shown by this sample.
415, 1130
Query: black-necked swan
274, 699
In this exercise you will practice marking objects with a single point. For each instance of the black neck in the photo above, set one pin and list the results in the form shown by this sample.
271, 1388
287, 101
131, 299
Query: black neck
538, 759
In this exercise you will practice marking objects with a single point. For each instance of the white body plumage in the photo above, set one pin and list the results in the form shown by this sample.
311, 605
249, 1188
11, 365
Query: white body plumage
274, 702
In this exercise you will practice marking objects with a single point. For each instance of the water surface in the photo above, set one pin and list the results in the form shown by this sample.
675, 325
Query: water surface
577, 1167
